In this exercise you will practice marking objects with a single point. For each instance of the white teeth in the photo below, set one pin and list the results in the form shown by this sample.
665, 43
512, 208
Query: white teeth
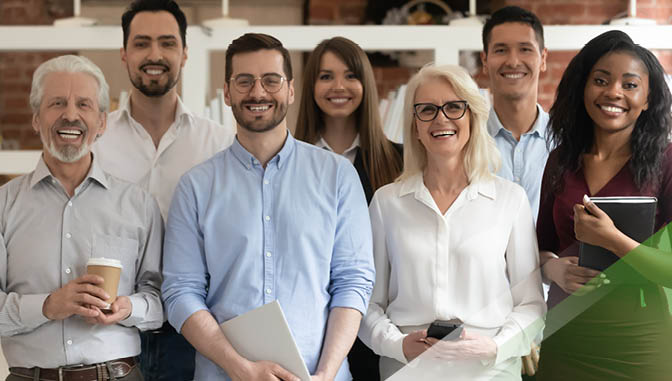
338, 100
612, 109
259, 108
437, 134
154, 71
70, 134
514, 76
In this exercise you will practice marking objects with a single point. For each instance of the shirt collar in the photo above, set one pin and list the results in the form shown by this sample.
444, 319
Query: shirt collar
495, 126
181, 111
248, 160
415, 185
323, 144
95, 172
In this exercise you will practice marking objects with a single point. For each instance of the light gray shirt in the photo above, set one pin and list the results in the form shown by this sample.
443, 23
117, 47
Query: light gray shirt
523, 161
46, 238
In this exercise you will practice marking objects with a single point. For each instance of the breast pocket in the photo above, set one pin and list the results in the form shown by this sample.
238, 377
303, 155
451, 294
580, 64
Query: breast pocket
123, 249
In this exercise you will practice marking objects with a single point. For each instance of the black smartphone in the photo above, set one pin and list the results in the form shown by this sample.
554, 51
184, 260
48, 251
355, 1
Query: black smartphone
441, 328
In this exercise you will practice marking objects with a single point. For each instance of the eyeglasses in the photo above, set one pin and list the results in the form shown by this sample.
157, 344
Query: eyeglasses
427, 112
271, 82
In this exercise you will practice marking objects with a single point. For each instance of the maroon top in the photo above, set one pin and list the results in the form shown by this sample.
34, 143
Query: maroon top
555, 225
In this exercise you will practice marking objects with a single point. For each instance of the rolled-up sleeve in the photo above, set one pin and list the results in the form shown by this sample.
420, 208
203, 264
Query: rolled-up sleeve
352, 270
185, 270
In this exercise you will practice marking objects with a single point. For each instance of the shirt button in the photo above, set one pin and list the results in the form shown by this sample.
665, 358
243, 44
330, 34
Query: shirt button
69, 203
268, 254
69, 342
268, 290
267, 218
266, 182
517, 179
68, 235
68, 270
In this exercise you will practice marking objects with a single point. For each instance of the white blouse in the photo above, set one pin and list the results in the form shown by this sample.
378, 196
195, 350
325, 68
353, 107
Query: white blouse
479, 263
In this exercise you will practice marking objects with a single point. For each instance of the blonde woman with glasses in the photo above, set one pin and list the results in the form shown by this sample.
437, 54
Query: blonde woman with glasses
452, 242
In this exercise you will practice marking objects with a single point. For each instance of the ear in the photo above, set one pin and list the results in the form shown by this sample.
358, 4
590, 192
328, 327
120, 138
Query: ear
227, 94
544, 55
36, 123
290, 89
102, 124
484, 62
646, 106
185, 54
122, 54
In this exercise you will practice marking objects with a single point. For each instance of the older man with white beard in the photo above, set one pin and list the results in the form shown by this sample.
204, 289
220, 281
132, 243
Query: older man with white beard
55, 322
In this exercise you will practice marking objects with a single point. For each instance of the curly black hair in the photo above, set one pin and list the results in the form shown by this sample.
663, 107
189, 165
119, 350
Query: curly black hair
572, 130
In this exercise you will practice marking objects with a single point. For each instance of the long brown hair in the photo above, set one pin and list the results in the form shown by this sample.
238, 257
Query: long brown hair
382, 162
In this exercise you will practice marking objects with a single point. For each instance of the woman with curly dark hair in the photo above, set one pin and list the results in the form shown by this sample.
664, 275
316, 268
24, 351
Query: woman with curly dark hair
611, 125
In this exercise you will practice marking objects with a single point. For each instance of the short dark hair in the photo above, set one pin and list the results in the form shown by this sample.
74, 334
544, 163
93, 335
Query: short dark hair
513, 14
169, 6
572, 129
252, 42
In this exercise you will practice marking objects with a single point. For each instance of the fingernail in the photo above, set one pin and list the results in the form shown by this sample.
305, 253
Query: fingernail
586, 199
606, 281
107, 306
602, 275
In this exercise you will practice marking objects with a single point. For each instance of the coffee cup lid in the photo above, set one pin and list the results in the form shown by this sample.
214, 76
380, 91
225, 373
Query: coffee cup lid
104, 262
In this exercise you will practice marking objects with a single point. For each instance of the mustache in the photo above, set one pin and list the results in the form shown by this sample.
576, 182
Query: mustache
71, 123
257, 101
161, 63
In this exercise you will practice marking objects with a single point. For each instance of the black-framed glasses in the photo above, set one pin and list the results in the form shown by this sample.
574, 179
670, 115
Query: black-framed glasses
271, 82
427, 112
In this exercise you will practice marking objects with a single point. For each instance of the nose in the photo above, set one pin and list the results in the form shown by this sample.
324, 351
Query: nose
512, 58
155, 52
614, 90
338, 83
257, 90
71, 113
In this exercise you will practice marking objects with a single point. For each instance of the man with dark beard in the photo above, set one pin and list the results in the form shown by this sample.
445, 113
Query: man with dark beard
269, 218
153, 139
55, 319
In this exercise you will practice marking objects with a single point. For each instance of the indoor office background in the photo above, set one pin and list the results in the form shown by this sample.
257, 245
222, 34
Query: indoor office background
394, 59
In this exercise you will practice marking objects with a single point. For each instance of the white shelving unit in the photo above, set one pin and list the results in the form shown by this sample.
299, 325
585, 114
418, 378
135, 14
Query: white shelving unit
445, 41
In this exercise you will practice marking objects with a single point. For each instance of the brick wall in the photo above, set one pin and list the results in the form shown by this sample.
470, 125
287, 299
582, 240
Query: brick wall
16, 68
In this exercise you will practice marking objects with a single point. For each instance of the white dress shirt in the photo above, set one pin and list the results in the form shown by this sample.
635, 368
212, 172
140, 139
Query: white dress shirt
350, 153
478, 262
46, 238
127, 151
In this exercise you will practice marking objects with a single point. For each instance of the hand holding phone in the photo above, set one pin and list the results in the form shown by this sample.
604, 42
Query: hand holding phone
448, 329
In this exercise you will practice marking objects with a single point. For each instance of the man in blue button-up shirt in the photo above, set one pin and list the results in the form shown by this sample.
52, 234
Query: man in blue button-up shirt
513, 57
269, 218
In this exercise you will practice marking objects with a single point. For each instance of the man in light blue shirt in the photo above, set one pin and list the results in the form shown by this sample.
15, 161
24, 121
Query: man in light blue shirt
269, 218
513, 57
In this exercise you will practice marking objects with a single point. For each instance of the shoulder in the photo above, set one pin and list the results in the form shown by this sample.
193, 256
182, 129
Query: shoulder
508, 189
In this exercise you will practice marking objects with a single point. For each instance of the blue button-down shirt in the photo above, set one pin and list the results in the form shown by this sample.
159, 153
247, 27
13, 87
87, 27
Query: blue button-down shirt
239, 236
523, 161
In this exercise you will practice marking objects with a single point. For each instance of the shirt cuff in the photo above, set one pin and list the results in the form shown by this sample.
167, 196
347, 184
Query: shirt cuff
138, 308
181, 308
394, 348
349, 299
30, 310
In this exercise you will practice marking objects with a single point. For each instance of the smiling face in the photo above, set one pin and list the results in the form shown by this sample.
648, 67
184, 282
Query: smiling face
616, 92
442, 137
154, 54
338, 92
257, 110
513, 61
69, 118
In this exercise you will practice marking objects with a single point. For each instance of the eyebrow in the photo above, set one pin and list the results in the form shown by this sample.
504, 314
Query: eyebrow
606, 72
161, 37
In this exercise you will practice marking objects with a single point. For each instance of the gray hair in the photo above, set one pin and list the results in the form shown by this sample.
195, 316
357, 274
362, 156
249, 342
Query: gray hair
481, 156
69, 64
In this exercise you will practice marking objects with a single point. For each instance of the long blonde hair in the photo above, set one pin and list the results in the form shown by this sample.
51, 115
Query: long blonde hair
481, 156
381, 161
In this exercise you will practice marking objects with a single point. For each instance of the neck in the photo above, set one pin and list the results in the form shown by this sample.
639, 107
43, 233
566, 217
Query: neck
263, 146
155, 114
445, 176
70, 175
339, 133
516, 115
607, 145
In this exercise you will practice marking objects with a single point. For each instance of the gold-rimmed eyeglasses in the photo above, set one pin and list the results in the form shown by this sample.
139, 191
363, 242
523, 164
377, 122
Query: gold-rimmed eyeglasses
271, 82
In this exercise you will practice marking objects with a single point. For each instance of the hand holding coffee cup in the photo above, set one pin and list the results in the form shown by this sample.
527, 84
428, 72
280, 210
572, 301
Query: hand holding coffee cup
110, 270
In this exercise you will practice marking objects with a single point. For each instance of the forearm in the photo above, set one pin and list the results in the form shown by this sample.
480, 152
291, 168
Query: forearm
203, 332
545, 259
342, 328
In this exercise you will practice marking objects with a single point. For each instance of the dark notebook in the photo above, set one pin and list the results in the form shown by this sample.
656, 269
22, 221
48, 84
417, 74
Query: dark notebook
634, 216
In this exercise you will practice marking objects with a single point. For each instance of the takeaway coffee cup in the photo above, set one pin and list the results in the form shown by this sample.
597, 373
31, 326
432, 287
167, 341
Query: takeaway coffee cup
110, 270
